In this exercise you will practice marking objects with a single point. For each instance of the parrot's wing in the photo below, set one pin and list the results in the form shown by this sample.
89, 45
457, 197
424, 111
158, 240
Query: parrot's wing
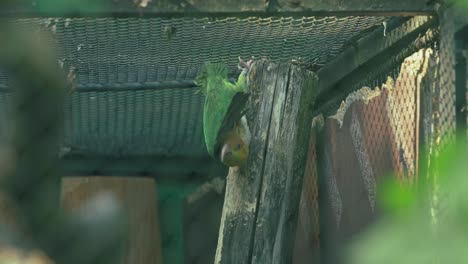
234, 113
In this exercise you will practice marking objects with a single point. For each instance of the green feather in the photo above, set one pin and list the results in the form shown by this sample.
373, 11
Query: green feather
210, 71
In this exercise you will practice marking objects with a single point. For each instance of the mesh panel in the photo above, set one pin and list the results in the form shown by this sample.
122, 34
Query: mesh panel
307, 243
139, 50
135, 122
374, 133
108, 51
378, 73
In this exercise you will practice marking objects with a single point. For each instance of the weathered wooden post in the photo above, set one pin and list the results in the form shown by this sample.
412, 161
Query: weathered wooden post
261, 205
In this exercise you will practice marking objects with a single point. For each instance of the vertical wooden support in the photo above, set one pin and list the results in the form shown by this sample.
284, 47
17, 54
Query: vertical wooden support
261, 204
426, 142
460, 83
138, 198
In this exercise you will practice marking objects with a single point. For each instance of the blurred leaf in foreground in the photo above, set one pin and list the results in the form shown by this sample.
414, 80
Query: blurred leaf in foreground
464, 3
407, 233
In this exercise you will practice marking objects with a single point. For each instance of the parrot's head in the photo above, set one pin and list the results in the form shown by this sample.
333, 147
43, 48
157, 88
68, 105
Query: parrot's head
234, 152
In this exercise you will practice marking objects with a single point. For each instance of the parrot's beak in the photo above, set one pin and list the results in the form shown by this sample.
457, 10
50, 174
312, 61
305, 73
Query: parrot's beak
226, 153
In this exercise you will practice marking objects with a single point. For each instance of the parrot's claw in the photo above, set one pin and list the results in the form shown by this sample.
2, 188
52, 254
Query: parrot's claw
245, 66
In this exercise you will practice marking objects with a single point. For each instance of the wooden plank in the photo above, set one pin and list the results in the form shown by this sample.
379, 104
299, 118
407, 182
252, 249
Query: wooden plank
460, 84
137, 196
372, 46
460, 21
329, 102
261, 204
284, 166
119, 87
214, 7
426, 121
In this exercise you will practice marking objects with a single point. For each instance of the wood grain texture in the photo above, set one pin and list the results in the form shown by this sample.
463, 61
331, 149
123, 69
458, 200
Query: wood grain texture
242, 188
261, 205
137, 196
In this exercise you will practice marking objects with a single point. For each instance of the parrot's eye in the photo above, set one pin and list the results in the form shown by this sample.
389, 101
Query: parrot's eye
239, 146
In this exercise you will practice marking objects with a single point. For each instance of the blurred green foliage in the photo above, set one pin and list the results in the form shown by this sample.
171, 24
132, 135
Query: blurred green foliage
464, 3
423, 223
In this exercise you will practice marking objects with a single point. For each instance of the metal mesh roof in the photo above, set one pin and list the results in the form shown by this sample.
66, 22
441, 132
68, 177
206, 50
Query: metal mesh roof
124, 52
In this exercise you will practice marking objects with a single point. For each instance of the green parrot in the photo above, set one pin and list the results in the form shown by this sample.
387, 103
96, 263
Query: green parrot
225, 127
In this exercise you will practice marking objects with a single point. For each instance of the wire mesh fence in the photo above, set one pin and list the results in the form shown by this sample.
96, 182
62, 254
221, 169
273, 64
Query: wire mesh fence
104, 56
375, 132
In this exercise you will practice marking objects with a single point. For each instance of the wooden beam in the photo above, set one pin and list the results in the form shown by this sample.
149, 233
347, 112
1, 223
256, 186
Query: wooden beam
134, 86
374, 45
213, 7
262, 200
461, 103
329, 103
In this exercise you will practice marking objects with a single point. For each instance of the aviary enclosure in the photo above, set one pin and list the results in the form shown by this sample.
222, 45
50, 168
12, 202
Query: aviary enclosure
102, 153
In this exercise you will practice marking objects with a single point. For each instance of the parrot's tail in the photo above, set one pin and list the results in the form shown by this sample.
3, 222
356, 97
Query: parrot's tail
210, 70
216, 69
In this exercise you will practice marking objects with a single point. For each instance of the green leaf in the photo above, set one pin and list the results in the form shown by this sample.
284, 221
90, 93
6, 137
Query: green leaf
395, 197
